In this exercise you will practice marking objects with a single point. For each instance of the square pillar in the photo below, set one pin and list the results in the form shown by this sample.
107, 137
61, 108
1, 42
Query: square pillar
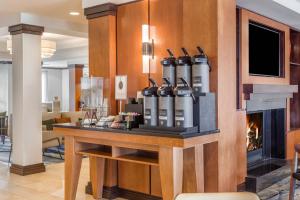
27, 111
75, 75
103, 63
103, 49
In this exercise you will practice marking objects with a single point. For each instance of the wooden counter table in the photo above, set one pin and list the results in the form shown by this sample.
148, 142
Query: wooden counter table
162, 150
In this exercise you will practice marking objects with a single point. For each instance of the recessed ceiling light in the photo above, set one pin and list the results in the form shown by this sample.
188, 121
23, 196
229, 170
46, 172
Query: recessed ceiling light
74, 13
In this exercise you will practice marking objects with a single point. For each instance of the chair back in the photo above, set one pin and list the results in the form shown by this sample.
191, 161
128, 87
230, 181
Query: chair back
4, 125
10, 129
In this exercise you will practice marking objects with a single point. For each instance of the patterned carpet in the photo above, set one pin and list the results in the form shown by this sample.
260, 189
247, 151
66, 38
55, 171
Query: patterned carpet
50, 156
280, 190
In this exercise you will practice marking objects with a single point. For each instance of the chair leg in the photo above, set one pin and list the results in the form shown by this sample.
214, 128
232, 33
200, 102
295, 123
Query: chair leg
59, 150
293, 180
3, 139
9, 157
292, 188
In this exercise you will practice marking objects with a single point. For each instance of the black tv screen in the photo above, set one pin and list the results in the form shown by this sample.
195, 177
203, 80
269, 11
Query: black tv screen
264, 51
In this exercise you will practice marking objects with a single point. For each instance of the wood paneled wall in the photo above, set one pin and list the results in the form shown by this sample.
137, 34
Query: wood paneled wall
78, 75
130, 19
175, 24
241, 149
295, 78
102, 54
226, 92
191, 23
166, 18
200, 29
245, 16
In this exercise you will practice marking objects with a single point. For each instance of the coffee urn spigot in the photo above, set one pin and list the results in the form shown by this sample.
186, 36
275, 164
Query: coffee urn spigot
169, 67
184, 68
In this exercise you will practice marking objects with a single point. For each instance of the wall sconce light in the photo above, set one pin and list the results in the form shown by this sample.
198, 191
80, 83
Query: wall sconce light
147, 50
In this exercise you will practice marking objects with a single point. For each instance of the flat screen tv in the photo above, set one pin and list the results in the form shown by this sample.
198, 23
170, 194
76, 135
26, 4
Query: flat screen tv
265, 51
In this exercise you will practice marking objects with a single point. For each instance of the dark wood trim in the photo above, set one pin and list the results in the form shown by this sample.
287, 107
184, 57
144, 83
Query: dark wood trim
27, 170
75, 66
130, 2
26, 28
100, 10
5, 62
115, 192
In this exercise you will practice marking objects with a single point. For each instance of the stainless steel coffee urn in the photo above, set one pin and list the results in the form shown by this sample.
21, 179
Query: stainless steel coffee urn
184, 68
200, 73
166, 104
184, 103
169, 67
151, 104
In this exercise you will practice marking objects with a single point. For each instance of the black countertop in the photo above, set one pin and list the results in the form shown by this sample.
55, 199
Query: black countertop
171, 133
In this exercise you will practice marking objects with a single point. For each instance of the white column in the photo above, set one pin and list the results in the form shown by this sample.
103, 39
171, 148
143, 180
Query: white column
27, 111
65, 90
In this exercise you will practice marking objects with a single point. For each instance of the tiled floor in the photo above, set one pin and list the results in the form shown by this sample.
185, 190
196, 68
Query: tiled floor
44, 186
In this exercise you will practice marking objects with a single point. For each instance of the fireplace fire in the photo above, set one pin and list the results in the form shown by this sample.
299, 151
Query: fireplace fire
254, 131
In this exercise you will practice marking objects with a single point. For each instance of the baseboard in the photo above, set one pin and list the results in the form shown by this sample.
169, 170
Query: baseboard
115, 192
27, 170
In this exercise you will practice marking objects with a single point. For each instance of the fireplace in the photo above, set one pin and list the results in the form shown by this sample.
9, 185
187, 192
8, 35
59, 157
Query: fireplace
255, 136
265, 135
266, 106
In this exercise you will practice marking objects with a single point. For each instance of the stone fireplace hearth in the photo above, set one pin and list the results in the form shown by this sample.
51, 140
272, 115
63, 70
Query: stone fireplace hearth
266, 107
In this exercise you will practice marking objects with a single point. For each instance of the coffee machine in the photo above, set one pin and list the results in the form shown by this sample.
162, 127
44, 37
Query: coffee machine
184, 105
184, 68
200, 73
151, 104
169, 67
166, 104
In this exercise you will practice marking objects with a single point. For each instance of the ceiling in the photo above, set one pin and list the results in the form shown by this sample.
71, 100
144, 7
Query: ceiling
285, 11
50, 8
69, 50
90, 3
69, 32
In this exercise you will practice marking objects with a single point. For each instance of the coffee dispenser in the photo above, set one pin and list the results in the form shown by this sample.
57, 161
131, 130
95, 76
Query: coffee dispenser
200, 73
169, 67
151, 104
184, 68
166, 104
184, 103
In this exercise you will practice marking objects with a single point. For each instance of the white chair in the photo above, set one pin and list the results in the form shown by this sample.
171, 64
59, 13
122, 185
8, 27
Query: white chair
219, 196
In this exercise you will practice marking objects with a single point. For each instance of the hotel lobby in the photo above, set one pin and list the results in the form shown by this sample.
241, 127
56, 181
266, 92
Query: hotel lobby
149, 99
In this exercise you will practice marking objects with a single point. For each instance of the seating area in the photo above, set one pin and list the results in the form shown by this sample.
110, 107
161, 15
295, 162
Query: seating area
53, 140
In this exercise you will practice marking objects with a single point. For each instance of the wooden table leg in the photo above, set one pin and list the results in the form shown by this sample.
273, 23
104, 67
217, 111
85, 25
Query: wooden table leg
193, 174
72, 168
97, 176
171, 171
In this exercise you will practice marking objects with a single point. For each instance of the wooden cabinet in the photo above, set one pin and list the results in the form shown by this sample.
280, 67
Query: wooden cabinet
295, 47
134, 177
295, 79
